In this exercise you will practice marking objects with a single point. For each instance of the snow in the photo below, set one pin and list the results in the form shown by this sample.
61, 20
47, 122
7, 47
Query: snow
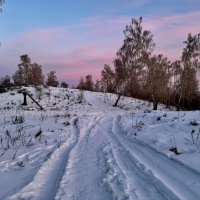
81, 147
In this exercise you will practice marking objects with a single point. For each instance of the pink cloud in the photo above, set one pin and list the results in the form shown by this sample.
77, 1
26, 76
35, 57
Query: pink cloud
170, 32
81, 49
43, 35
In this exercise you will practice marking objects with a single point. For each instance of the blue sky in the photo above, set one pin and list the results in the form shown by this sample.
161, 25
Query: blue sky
76, 38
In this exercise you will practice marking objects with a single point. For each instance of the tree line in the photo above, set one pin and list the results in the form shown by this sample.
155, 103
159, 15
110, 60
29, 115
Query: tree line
29, 73
138, 72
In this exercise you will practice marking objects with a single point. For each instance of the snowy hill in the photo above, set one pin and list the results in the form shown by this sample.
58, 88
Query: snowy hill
81, 147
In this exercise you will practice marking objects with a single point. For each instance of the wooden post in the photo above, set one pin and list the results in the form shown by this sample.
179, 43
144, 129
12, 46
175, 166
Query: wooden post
25, 101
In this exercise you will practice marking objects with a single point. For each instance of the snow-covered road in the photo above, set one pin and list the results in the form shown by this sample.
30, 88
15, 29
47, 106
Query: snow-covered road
100, 162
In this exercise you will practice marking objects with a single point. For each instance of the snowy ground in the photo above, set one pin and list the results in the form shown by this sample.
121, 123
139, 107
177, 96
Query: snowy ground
82, 148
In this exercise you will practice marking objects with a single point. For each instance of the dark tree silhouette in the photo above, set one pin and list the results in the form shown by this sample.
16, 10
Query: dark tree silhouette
52, 79
140, 74
108, 78
28, 73
132, 58
86, 84
64, 85
190, 62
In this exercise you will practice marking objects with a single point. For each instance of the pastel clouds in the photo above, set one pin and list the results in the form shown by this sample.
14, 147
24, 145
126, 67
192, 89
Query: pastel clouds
170, 32
83, 48
77, 49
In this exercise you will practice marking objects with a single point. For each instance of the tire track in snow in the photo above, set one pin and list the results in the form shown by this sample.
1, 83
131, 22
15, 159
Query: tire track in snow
82, 178
172, 179
46, 181
137, 184
114, 177
92, 126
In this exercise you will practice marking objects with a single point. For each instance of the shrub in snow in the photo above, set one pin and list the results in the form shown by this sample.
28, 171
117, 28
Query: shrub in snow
139, 125
158, 118
66, 123
147, 111
173, 147
18, 119
194, 139
174, 150
194, 123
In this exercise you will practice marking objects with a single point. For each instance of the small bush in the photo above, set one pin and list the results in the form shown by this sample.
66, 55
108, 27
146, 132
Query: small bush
18, 119
194, 139
174, 150
66, 123
173, 147
158, 118
165, 115
139, 125
194, 123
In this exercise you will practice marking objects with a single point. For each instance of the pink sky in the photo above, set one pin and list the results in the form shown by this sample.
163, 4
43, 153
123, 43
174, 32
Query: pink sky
77, 50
